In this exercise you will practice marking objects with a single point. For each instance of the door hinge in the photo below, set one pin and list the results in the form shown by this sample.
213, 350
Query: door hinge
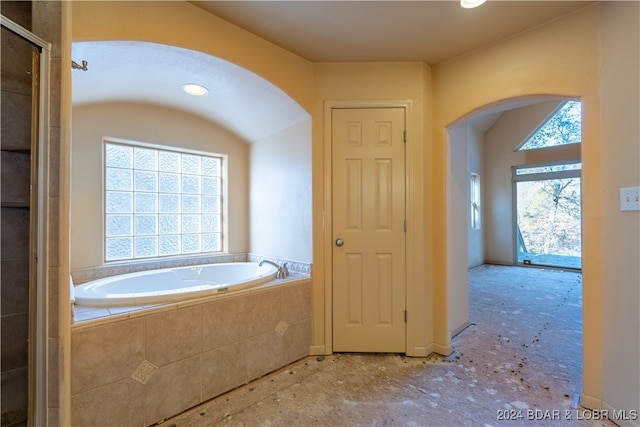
405, 316
405, 225
404, 136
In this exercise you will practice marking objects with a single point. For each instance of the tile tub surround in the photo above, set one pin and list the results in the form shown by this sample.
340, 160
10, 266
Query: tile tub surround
142, 367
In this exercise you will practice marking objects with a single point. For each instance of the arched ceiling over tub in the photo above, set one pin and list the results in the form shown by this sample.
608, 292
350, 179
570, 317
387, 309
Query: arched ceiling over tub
133, 71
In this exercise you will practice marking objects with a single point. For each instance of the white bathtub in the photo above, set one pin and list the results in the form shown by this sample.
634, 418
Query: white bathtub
171, 284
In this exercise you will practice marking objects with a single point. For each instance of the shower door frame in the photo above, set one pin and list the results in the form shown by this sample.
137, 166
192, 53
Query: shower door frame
38, 324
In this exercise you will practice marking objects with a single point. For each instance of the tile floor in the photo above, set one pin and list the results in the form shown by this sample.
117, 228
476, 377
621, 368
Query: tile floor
519, 363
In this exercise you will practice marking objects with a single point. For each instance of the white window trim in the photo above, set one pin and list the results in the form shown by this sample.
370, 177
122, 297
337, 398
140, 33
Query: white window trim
475, 216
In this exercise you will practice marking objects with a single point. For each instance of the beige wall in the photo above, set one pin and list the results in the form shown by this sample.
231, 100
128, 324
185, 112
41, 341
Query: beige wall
280, 195
149, 124
357, 84
560, 58
619, 163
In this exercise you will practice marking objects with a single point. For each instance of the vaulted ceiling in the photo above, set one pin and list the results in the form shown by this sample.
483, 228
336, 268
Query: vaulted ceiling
320, 31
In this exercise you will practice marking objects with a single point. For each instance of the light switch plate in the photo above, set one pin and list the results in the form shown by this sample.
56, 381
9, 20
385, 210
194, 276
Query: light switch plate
630, 199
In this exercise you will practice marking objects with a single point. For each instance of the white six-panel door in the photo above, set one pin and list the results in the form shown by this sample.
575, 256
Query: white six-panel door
368, 190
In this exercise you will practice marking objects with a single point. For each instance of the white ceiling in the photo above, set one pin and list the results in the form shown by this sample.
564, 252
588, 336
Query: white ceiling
428, 31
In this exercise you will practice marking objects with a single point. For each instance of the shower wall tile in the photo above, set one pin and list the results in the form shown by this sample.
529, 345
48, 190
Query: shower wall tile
224, 369
53, 219
12, 189
173, 389
15, 233
106, 353
224, 322
47, 23
173, 335
15, 336
15, 403
53, 383
15, 127
14, 276
55, 114
54, 309
54, 158
53, 417
19, 12
117, 404
15, 79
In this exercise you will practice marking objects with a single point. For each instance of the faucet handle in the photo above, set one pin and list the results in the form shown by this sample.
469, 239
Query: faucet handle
285, 270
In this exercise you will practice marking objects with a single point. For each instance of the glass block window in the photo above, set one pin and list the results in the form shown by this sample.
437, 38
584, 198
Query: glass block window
161, 202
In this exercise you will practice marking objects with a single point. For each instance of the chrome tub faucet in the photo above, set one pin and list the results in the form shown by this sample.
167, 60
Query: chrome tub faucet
282, 272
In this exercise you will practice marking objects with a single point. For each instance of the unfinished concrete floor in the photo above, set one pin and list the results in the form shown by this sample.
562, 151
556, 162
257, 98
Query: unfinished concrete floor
519, 359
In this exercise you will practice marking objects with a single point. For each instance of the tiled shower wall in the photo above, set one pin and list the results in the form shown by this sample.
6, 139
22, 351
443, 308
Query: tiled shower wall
154, 364
16, 210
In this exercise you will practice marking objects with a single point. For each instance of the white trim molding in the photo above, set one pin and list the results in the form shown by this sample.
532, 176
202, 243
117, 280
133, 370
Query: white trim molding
418, 327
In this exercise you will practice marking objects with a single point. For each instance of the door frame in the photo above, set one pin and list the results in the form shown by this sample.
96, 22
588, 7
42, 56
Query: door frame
38, 351
415, 296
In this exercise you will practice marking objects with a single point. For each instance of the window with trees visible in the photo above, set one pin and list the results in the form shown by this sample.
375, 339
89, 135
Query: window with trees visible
548, 220
161, 201
475, 201
564, 127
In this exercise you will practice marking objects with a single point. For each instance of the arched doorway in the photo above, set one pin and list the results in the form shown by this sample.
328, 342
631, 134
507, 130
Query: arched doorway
481, 151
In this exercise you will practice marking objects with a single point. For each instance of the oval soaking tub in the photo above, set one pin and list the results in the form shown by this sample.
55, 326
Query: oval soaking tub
172, 284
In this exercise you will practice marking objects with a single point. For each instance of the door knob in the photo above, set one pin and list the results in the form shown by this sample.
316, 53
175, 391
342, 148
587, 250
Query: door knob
339, 242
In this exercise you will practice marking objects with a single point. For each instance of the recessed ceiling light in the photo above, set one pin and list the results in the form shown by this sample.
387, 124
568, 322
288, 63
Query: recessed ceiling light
470, 4
194, 89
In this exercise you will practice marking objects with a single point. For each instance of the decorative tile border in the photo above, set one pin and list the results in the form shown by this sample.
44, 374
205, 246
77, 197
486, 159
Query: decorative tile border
292, 265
